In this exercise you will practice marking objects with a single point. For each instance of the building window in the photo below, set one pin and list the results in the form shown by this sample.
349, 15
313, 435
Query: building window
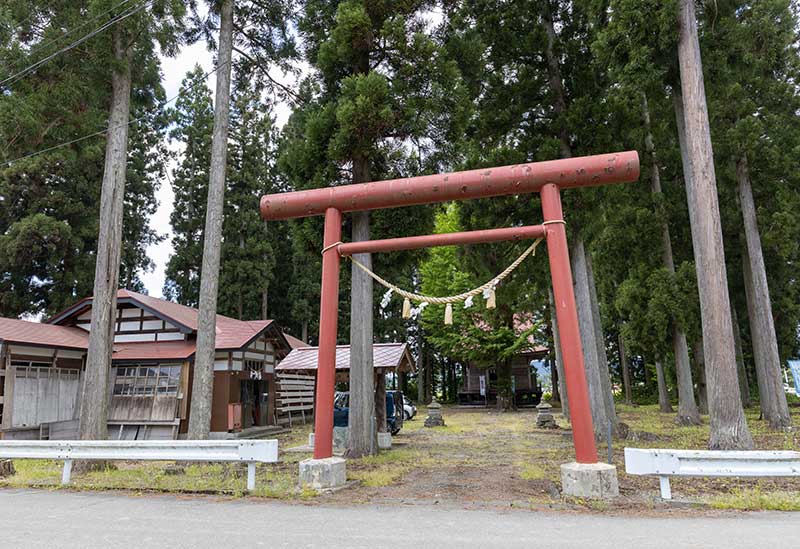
161, 380
30, 364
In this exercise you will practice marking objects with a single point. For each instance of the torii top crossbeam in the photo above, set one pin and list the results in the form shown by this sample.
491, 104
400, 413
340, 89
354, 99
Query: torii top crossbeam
546, 178
568, 173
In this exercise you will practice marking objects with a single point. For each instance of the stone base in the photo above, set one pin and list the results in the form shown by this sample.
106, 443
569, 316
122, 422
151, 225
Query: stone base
384, 441
323, 474
589, 480
340, 436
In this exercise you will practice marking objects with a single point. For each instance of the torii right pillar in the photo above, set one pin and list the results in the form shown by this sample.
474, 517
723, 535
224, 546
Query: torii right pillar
585, 477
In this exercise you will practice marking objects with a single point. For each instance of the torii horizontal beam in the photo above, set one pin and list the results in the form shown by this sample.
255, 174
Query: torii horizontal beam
444, 239
585, 171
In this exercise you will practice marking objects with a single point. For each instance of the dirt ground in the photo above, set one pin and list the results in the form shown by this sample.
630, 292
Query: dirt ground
489, 458
481, 458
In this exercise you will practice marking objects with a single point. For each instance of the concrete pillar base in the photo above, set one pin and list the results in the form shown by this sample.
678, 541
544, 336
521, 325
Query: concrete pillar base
323, 474
589, 480
384, 441
340, 436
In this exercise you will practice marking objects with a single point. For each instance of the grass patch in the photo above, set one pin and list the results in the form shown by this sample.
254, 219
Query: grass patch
274, 481
753, 499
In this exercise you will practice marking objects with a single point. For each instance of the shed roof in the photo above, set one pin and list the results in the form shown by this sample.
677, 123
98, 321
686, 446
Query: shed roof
35, 333
384, 356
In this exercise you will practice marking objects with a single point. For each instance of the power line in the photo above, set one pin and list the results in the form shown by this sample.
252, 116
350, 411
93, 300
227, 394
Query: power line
116, 19
71, 31
106, 130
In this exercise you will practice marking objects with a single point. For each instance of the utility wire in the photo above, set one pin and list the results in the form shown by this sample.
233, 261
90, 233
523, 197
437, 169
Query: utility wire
8, 81
41, 47
106, 130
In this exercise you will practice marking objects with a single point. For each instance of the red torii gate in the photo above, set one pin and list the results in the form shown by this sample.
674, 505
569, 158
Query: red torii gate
546, 178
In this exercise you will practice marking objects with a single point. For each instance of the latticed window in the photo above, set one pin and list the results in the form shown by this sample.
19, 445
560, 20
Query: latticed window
162, 380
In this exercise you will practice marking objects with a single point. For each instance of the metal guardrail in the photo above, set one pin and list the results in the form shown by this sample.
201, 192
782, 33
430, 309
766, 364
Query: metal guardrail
247, 451
709, 463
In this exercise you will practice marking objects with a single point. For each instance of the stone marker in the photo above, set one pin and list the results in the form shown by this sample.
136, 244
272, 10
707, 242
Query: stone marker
384, 441
544, 416
434, 418
340, 435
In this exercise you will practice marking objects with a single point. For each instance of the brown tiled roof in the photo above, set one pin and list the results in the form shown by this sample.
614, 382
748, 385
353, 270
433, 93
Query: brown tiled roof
384, 355
36, 333
163, 350
294, 343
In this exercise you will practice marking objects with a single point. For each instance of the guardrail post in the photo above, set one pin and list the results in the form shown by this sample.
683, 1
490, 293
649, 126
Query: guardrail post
666, 491
251, 476
65, 474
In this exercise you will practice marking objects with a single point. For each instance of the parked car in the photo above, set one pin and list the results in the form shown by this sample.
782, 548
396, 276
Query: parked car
409, 408
394, 414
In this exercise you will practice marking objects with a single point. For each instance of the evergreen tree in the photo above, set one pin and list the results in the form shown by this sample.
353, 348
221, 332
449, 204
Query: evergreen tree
193, 119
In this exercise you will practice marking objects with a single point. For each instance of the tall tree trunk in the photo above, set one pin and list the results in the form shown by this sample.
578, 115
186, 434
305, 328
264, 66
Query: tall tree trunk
700, 376
586, 324
728, 425
687, 407
203, 381
264, 302
663, 393
304, 331
744, 385
421, 371
600, 341
428, 376
93, 419
625, 365
362, 375
775, 409
562, 389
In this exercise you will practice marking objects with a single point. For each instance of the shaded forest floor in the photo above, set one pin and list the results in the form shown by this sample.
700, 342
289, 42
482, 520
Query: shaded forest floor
481, 458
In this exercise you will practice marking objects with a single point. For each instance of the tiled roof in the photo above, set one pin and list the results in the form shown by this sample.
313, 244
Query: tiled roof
384, 355
163, 350
294, 343
36, 333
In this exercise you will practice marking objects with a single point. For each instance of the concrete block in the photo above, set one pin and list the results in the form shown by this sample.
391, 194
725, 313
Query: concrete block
340, 437
323, 474
384, 441
589, 480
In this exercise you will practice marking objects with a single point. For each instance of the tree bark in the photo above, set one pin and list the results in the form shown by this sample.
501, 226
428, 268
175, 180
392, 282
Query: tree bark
700, 376
421, 371
93, 418
687, 407
362, 376
744, 384
775, 409
562, 389
625, 365
663, 393
600, 341
203, 381
586, 324
728, 425
304, 331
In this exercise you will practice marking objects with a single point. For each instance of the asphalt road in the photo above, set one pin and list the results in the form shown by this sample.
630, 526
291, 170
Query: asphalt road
66, 519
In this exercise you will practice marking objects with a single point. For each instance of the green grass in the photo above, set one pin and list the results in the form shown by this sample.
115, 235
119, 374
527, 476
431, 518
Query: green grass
274, 481
754, 499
